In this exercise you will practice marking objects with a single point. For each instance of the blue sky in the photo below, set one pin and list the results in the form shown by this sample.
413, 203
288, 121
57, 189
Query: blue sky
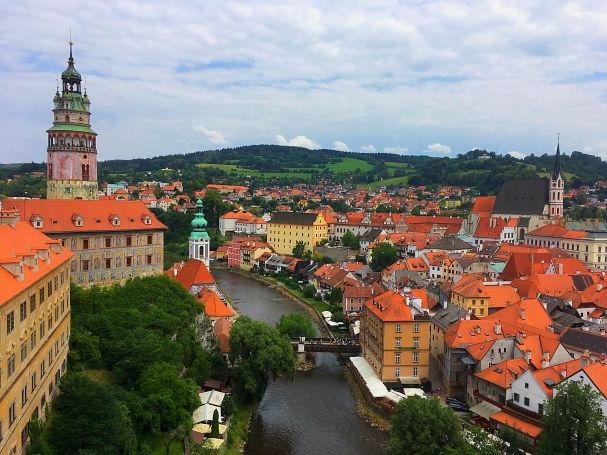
434, 77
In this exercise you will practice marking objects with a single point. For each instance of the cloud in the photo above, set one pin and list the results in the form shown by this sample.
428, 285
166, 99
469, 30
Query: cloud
214, 137
297, 141
341, 146
398, 150
370, 148
440, 148
517, 155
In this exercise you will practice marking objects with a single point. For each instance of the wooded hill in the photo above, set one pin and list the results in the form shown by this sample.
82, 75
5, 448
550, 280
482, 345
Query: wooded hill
258, 164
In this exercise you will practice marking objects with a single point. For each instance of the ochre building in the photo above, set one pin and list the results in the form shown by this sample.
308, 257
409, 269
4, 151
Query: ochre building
34, 327
285, 229
112, 241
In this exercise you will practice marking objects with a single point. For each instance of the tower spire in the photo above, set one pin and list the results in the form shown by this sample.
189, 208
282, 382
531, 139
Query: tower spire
556, 170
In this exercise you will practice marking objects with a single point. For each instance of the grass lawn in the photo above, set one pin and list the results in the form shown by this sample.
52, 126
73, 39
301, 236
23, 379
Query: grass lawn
396, 164
246, 172
349, 165
387, 182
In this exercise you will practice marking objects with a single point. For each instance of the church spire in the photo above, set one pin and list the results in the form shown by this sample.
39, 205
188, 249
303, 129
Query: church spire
556, 170
199, 241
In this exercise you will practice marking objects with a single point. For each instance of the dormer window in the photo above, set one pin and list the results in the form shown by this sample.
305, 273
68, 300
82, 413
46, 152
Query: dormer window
36, 221
77, 220
115, 220
146, 220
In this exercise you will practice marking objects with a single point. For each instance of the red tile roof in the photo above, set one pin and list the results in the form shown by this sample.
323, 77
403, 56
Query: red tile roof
389, 307
214, 307
191, 273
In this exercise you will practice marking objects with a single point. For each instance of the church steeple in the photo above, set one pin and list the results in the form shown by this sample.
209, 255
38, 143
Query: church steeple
70, 77
557, 186
199, 242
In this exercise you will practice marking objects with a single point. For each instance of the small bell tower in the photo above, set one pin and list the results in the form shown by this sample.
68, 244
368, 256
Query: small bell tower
199, 241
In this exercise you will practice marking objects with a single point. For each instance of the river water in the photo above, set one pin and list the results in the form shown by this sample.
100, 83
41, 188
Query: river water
314, 414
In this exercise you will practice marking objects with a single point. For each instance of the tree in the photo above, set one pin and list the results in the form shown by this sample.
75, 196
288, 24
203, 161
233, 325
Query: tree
299, 250
573, 422
424, 427
336, 295
309, 291
383, 255
260, 351
87, 418
350, 240
294, 325
168, 396
215, 425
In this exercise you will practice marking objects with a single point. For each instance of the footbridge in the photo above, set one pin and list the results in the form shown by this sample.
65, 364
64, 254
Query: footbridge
338, 345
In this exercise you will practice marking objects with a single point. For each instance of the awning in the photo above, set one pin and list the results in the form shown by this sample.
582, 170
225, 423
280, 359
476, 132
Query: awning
517, 424
485, 410
409, 380
469, 360
201, 428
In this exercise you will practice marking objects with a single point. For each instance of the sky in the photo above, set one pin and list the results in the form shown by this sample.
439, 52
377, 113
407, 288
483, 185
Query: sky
409, 77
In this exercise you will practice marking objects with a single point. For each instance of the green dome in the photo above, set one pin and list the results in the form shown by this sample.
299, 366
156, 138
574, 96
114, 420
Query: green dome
71, 73
199, 223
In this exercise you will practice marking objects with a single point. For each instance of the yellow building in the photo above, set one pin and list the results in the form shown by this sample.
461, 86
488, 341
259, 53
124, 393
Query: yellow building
35, 328
480, 297
285, 229
112, 240
395, 341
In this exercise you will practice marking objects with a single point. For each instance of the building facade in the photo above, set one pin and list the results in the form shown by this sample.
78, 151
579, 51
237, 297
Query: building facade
72, 144
112, 241
395, 340
35, 329
199, 241
285, 229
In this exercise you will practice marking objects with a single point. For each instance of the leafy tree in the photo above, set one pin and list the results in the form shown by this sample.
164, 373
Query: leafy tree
85, 350
350, 240
299, 250
168, 396
260, 351
573, 422
294, 325
309, 291
87, 418
383, 255
215, 425
424, 427
336, 295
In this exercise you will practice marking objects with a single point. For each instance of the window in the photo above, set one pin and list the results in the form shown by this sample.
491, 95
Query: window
10, 322
43, 368
85, 266
50, 356
43, 401
540, 408
415, 371
24, 352
24, 395
22, 311
129, 241
10, 365
85, 244
42, 330
32, 303
108, 242
49, 325
49, 288
397, 342
416, 327
33, 340
150, 238
517, 397
526, 385
129, 261
397, 372
148, 259
397, 357
416, 357
526, 401
12, 413
416, 342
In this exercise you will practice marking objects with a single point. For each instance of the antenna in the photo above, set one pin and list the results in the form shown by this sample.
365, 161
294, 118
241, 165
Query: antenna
85, 85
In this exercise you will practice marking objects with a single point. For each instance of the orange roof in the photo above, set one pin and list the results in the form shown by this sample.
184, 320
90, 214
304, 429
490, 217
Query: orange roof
214, 307
556, 373
416, 264
239, 215
192, 273
389, 307
483, 205
352, 292
58, 215
557, 231
501, 296
597, 373
470, 285
22, 249
492, 227
527, 311
504, 373
518, 424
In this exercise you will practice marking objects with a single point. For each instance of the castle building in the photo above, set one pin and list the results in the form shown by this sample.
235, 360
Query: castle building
523, 204
285, 229
35, 314
72, 144
199, 242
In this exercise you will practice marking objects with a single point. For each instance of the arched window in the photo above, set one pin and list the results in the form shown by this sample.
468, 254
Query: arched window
50, 171
67, 118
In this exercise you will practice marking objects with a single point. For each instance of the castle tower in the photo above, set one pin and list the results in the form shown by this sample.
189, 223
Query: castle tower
72, 147
557, 187
199, 238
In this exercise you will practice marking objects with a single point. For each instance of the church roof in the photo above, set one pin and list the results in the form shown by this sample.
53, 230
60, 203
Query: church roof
70, 127
522, 197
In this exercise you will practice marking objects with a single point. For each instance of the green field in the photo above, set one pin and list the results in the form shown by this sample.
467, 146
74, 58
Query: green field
349, 165
387, 182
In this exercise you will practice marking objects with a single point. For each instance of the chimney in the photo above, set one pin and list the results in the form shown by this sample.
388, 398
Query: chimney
477, 329
497, 327
586, 328
560, 268
521, 313
527, 355
585, 358
599, 287
545, 360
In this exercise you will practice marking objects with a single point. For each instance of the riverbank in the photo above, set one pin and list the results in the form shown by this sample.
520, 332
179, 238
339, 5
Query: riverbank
363, 410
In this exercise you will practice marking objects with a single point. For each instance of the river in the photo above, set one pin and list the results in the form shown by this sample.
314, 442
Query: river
314, 414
